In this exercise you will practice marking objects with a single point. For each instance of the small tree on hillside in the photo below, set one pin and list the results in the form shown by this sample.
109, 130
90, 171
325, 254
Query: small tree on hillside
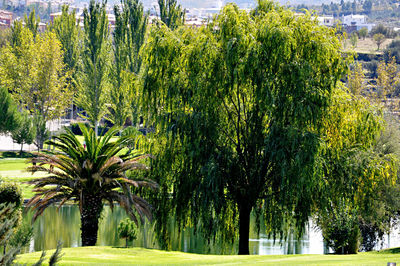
363, 32
388, 78
354, 39
379, 38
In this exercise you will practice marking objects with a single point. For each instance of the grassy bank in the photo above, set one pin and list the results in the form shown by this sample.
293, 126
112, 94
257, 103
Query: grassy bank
140, 256
13, 170
367, 46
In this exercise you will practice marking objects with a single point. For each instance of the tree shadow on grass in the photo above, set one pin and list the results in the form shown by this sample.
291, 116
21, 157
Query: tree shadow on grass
12, 154
390, 251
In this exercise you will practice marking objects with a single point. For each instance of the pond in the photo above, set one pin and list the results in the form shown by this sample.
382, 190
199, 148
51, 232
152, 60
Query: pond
64, 225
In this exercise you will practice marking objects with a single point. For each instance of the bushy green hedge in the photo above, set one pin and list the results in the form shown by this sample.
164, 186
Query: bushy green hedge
10, 193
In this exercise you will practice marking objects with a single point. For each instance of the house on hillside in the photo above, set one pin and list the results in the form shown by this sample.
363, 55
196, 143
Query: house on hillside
356, 22
5, 19
328, 21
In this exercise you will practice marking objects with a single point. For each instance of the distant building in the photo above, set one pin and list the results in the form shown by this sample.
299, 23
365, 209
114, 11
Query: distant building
5, 18
42, 27
328, 21
79, 18
356, 22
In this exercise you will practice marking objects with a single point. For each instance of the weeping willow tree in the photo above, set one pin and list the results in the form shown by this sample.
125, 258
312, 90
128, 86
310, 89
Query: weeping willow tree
236, 106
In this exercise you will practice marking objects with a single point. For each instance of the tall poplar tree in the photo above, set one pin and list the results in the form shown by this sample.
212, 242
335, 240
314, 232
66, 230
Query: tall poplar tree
32, 23
172, 14
129, 35
67, 31
237, 108
93, 93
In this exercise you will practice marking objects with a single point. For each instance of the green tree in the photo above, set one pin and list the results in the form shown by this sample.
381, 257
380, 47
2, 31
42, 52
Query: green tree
379, 38
354, 39
380, 29
127, 230
129, 35
20, 36
340, 229
67, 33
9, 115
22, 235
393, 50
355, 79
171, 13
120, 96
352, 170
89, 175
388, 78
10, 193
92, 96
35, 73
7, 225
384, 206
137, 21
236, 108
363, 32
5, 36
32, 23
25, 133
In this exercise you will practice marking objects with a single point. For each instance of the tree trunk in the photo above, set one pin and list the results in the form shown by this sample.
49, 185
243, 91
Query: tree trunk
90, 213
244, 228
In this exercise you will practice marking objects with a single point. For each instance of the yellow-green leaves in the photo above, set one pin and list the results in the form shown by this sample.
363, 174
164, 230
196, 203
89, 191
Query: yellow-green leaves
34, 71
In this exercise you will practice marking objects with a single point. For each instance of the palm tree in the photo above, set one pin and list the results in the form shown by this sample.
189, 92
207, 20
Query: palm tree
88, 175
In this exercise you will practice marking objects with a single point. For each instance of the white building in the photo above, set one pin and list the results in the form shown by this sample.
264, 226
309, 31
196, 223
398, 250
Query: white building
357, 22
328, 21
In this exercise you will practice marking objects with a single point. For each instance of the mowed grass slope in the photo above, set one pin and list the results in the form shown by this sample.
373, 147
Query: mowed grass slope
141, 256
13, 170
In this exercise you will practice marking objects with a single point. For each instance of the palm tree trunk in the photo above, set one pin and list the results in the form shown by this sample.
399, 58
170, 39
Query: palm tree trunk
91, 207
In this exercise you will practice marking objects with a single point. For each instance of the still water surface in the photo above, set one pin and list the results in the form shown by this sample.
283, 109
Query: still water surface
64, 225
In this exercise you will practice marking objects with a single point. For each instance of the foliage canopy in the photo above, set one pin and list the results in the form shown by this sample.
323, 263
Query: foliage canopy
237, 107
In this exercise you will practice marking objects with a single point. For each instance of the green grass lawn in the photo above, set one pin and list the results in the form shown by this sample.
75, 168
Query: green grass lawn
141, 256
13, 170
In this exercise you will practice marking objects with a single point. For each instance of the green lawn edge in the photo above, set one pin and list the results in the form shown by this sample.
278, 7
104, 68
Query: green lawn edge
100, 255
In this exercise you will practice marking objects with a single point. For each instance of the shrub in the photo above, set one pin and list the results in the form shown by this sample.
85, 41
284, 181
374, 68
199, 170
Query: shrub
22, 236
340, 230
127, 230
393, 49
10, 193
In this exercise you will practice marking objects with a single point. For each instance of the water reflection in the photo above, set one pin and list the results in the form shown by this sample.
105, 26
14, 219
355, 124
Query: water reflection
64, 225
